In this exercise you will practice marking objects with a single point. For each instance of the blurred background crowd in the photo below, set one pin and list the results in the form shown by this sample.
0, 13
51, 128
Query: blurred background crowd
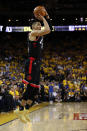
63, 76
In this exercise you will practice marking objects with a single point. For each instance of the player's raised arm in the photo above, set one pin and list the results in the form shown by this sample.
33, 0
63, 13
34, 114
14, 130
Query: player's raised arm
44, 31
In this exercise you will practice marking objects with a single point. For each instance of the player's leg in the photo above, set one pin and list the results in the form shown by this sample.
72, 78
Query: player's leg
29, 102
36, 80
32, 70
22, 112
32, 75
26, 79
28, 70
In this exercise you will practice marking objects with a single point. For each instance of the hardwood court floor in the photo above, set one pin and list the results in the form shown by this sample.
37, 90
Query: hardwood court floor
56, 117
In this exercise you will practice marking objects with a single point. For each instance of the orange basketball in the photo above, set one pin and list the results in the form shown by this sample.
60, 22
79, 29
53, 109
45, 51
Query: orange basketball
39, 10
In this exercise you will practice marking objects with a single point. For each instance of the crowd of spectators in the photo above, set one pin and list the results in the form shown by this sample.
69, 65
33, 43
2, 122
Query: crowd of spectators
63, 71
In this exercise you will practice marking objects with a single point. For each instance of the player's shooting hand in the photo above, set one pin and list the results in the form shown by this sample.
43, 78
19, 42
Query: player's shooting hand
40, 17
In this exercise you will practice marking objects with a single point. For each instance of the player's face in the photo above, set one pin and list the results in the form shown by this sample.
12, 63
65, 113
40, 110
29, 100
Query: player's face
38, 26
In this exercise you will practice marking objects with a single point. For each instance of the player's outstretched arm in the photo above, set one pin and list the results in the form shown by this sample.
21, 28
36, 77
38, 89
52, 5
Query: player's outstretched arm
44, 31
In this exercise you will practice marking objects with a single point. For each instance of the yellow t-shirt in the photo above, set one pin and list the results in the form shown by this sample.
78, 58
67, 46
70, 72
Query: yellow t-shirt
1, 82
12, 93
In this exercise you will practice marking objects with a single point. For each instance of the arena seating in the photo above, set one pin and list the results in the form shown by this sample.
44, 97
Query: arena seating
63, 68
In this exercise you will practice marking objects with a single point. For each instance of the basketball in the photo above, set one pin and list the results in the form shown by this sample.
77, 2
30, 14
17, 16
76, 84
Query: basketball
39, 10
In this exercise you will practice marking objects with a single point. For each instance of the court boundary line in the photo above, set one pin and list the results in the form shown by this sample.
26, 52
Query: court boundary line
43, 106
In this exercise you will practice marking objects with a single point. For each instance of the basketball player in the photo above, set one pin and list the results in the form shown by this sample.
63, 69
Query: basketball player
32, 67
